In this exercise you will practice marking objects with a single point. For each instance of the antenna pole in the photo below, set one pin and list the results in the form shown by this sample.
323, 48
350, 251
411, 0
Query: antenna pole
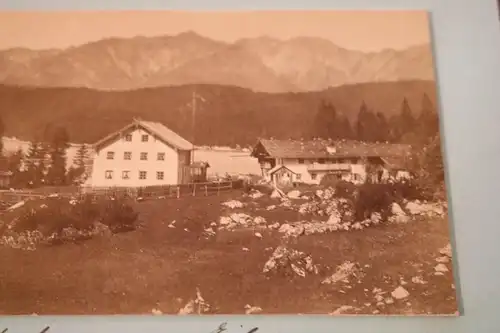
193, 116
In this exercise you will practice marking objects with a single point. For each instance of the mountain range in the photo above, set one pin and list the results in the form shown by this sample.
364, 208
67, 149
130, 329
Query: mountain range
262, 64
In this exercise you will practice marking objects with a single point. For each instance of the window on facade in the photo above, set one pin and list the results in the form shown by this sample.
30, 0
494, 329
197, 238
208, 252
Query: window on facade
301, 161
356, 177
142, 174
125, 174
145, 138
144, 156
298, 176
321, 161
128, 137
160, 175
161, 157
127, 155
314, 176
110, 155
109, 174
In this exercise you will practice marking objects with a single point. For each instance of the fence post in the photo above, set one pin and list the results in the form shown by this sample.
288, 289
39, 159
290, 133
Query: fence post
206, 190
218, 188
178, 192
194, 190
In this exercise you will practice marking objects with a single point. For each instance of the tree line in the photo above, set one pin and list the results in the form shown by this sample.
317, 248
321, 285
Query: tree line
45, 161
373, 126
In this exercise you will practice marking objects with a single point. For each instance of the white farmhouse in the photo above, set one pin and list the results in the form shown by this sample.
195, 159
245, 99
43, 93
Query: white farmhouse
141, 154
287, 162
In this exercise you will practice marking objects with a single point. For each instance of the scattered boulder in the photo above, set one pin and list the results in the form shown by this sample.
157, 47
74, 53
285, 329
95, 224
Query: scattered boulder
254, 194
418, 280
195, 306
443, 260
233, 204
426, 209
343, 310
441, 268
398, 214
342, 272
240, 220
290, 262
400, 293
446, 251
252, 309
156, 312
295, 194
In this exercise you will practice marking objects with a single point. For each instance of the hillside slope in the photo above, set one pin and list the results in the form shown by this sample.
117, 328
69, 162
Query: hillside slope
228, 116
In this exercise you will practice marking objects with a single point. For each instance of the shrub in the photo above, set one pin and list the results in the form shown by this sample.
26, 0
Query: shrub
118, 215
59, 220
345, 189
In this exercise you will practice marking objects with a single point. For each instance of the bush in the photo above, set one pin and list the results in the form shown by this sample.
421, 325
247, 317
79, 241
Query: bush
345, 189
118, 215
60, 219
374, 198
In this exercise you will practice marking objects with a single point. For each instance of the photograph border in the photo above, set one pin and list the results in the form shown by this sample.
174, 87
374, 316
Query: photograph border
465, 37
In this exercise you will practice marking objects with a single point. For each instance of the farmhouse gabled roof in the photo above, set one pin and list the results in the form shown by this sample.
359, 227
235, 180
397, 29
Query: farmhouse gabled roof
327, 148
279, 167
155, 128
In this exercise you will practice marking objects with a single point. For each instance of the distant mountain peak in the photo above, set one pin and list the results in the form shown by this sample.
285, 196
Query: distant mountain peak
263, 63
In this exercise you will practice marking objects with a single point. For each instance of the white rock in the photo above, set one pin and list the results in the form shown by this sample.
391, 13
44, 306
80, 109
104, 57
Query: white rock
246, 249
389, 300
397, 210
446, 251
400, 293
342, 309
342, 272
334, 219
441, 268
252, 309
256, 194
258, 235
443, 260
295, 194
375, 218
156, 312
418, 280
233, 204
272, 207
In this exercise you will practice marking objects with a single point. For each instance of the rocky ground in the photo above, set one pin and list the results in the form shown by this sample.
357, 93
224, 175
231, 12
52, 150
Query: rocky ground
244, 253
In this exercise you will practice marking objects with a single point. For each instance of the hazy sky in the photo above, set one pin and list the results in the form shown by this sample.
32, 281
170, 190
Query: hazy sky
360, 30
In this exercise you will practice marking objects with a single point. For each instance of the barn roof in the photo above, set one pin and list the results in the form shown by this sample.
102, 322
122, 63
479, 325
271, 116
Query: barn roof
327, 148
155, 128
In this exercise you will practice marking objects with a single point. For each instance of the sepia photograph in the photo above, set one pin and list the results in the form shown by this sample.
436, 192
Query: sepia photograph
222, 162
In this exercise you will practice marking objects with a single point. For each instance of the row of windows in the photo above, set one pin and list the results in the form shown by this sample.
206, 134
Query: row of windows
144, 138
160, 175
326, 160
110, 155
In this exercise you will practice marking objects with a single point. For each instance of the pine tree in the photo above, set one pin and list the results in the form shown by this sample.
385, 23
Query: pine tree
76, 173
35, 163
361, 123
324, 122
15, 164
382, 128
407, 122
58, 145
428, 120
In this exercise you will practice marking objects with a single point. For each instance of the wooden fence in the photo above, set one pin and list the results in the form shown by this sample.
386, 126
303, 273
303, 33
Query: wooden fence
140, 193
